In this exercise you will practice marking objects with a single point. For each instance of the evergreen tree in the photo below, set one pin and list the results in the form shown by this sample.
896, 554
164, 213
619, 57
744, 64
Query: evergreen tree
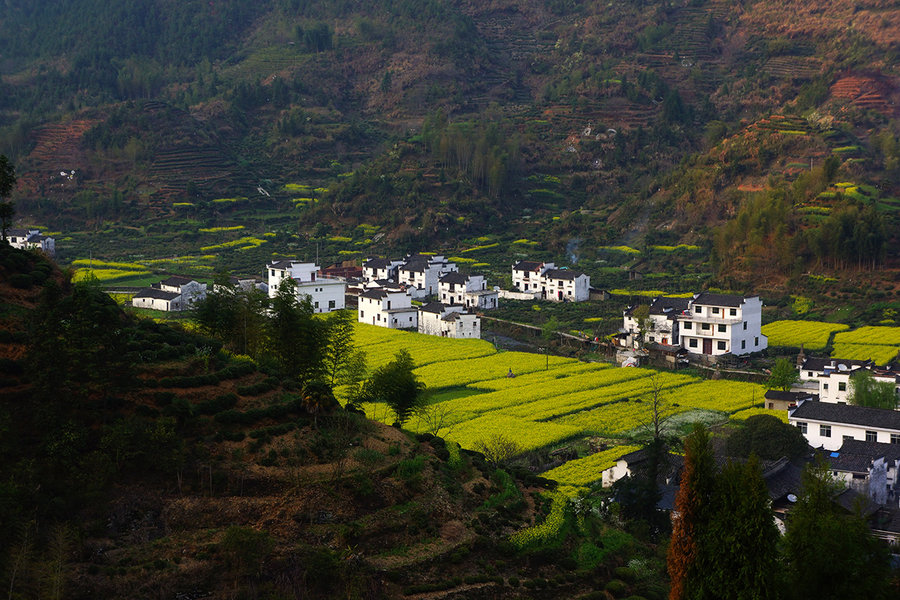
7, 183
692, 509
783, 375
396, 385
340, 349
738, 549
297, 338
830, 553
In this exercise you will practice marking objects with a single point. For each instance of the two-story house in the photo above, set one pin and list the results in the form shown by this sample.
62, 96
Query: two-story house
387, 307
375, 269
830, 377
439, 319
716, 324
422, 273
661, 324
470, 291
325, 293
27, 239
870, 468
526, 275
564, 285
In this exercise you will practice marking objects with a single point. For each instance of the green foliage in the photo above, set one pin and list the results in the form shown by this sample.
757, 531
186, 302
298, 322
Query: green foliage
783, 375
246, 549
396, 385
831, 554
866, 391
767, 437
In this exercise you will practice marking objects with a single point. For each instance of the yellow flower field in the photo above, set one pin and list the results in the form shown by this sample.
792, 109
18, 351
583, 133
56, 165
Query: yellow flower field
547, 402
813, 335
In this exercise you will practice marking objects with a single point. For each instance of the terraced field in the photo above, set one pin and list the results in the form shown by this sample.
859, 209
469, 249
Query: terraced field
547, 402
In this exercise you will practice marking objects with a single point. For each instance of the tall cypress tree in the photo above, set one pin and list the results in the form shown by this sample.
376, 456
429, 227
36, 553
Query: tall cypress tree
692, 513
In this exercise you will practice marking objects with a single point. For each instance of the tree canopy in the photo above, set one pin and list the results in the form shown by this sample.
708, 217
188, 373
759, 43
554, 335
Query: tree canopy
865, 390
396, 385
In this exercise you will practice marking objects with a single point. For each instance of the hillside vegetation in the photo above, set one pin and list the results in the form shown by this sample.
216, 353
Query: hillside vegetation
764, 134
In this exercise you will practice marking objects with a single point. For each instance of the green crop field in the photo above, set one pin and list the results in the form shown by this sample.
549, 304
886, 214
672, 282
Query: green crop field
547, 402
812, 335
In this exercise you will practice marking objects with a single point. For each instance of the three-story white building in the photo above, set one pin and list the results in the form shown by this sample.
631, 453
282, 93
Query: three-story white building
716, 324
325, 293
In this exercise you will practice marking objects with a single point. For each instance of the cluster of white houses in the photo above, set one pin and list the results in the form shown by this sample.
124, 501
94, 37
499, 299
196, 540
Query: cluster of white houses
707, 323
172, 294
31, 239
545, 281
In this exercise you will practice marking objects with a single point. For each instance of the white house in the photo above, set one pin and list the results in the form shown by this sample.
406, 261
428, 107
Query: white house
716, 324
469, 291
870, 468
380, 268
387, 308
526, 275
156, 299
422, 272
662, 321
563, 285
436, 318
833, 376
325, 293
26, 239
827, 425
172, 294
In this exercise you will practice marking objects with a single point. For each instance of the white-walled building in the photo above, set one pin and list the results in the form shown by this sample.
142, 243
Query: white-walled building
422, 273
526, 275
387, 308
833, 377
870, 468
156, 299
380, 269
563, 285
662, 321
172, 294
325, 293
470, 291
27, 239
716, 324
439, 319
548, 282
827, 425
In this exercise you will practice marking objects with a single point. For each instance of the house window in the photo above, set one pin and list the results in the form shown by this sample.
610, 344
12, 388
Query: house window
688, 325
802, 427
825, 430
756, 341
652, 339
704, 326
745, 325
317, 305
871, 436
723, 328
715, 310
692, 343
895, 438
847, 438
698, 309
842, 386
733, 312
809, 374
743, 344
824, 386
331, 305
720, 345
362, 314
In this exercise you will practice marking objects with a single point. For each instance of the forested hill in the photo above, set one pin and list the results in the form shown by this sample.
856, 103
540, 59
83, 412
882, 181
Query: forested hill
633, 123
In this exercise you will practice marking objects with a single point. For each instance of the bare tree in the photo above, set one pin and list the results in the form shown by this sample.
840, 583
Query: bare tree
435, 418
498, 448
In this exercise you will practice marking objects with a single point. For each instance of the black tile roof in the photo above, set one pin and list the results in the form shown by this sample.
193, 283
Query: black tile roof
454, 277
377, 263
667, 306
562, 274
176, 281
855, 455
527, 265
787, 396
433, 307
828, 412
820, 364
157, 294
374, 294
280, 264
710, 299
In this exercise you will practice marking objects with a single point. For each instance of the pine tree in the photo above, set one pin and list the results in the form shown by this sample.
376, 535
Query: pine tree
692, 511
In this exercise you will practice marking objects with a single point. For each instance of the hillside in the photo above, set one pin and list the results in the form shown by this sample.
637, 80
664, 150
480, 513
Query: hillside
592, 124
141, 461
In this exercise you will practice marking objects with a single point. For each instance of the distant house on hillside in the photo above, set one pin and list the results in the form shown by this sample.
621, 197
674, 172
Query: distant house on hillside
173, 294
662, 321
439, 319
325, 293
470, 291
389, 308
717, 324
380, 269
548, 282
421, 273
28, 239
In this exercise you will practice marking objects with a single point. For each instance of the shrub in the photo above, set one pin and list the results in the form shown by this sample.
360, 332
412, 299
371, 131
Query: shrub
20, 280
410, 468
616, 587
